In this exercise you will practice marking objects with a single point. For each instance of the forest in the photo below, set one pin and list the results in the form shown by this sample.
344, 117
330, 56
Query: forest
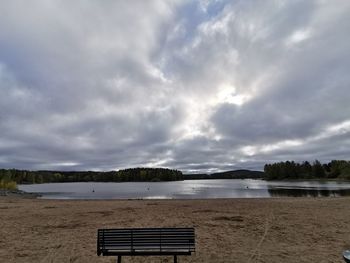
336, 169
10, 177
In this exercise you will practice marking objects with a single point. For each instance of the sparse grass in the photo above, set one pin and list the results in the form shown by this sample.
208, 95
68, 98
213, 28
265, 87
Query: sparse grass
8, 185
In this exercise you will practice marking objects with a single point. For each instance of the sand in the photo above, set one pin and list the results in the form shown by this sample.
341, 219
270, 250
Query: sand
228, 230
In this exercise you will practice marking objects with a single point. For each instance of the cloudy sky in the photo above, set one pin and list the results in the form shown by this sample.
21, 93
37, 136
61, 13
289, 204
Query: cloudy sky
198, 86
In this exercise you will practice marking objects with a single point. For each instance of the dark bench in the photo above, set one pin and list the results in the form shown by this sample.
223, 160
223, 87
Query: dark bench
145, 242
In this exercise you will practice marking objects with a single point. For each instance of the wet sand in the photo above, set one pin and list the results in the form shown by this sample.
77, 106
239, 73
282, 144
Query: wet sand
227, 230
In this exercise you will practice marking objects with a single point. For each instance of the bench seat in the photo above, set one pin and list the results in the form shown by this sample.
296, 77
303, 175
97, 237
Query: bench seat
145, 242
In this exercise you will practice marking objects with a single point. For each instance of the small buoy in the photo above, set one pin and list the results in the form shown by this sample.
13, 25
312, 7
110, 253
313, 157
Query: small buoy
93, 190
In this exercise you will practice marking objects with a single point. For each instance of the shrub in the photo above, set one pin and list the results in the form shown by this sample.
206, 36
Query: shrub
9, 185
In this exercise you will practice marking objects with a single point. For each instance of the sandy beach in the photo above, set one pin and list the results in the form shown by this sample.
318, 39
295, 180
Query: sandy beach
227, 230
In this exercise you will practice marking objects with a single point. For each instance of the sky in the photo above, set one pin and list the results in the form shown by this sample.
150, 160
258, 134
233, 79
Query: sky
199, 86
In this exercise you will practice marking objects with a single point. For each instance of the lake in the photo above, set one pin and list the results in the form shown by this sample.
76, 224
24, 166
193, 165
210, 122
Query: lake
189, 189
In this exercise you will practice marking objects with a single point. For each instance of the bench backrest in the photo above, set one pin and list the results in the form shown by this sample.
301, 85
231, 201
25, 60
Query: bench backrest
145, 240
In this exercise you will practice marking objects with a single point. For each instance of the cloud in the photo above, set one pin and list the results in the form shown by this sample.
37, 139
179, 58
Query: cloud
197, 86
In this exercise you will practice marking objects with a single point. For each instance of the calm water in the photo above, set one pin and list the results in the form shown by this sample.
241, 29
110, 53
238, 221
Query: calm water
189, 189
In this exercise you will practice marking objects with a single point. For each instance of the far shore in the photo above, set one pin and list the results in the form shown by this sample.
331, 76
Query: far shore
270, 230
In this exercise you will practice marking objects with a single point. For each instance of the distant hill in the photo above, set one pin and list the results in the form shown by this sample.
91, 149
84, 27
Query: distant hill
235, 174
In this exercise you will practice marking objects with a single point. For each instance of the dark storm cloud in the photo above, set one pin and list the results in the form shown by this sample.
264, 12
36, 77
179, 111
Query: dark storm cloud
197, 86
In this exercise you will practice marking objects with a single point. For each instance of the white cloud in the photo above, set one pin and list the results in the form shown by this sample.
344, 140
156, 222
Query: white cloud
298, 36
191, 85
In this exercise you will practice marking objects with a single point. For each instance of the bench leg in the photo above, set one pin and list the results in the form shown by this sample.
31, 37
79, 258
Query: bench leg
119, 259
175, 259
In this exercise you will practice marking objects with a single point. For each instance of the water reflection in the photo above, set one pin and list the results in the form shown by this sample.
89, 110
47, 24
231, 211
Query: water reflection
190, 189
298, 192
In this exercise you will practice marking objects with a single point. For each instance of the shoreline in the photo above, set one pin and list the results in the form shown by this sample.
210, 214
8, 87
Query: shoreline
18, 194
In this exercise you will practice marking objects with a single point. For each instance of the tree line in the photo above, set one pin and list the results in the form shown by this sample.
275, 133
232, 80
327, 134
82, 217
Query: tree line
235, 174
291, 170
10, 177
276, 171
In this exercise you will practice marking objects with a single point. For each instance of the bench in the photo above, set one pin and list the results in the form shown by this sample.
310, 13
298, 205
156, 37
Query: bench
145, 242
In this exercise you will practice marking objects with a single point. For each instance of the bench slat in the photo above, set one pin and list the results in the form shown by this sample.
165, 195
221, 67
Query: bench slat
142, 241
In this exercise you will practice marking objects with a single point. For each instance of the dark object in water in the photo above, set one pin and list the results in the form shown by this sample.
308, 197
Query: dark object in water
93, 190
346, 256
